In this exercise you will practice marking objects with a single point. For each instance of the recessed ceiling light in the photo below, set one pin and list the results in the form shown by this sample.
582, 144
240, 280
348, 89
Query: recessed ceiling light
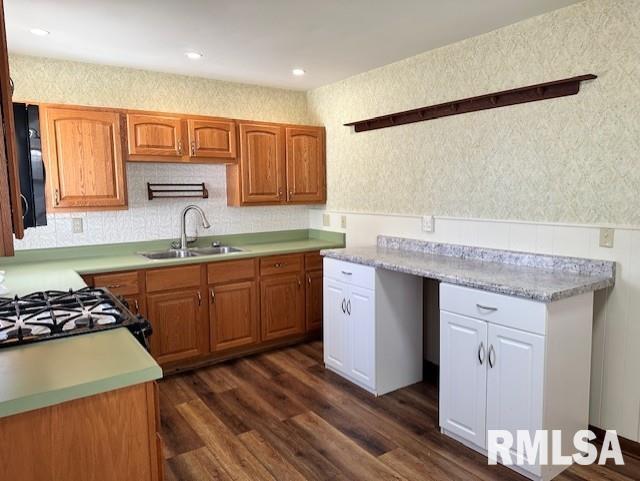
39, 32
298, 72
193, 55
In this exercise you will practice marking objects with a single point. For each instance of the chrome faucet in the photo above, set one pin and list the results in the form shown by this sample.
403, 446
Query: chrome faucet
183, 225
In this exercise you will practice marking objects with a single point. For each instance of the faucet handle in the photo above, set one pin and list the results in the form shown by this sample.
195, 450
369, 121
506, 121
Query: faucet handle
215, 244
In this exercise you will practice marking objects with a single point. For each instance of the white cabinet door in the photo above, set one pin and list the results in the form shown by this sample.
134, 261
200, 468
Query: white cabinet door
515, 380
362, 325
463, 377
335, 327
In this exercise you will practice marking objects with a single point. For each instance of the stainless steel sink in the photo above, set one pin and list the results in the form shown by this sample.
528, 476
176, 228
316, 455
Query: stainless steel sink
212, 251
169, 254
194, 252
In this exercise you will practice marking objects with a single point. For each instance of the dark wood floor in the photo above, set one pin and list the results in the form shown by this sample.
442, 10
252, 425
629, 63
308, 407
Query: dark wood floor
282, 416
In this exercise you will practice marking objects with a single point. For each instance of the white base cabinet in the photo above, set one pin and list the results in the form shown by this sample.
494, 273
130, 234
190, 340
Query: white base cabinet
514, 364
372, 326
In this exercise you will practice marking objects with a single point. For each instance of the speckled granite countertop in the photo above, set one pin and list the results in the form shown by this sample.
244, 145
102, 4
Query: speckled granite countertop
539, 277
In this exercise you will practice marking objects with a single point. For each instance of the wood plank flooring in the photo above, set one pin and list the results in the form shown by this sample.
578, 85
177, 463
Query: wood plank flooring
281, 416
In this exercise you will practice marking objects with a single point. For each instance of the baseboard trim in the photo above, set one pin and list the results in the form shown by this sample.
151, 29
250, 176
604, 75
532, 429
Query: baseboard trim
629, 447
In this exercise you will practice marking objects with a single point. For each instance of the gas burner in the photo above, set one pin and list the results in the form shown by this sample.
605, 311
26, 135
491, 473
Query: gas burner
52, 314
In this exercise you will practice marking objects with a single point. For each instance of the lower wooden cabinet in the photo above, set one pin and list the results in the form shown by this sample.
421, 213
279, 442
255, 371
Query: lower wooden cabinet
282, 306
233, 314
112, 436
202, 311
313, 304
176, 318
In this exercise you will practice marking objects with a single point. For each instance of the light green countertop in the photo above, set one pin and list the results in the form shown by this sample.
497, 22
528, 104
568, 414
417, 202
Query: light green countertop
46, 373
37, 375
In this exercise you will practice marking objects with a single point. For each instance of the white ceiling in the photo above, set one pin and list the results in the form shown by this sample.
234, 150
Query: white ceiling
256, 41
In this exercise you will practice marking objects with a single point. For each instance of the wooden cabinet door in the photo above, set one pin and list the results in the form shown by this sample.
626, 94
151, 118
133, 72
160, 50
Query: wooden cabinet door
313, 296
176, 318
137, 304
515, 361
85, 165
335, 325
463, 377
233, 313
10, 196
305, 164
261, 163
212, 139
282, 306
155, 137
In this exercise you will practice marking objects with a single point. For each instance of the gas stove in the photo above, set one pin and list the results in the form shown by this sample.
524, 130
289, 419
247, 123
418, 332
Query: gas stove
46, 315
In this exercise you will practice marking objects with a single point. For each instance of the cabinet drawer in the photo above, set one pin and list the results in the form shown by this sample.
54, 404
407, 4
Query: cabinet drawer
120, 283
354, 274
173, 278
508, 311
312, 261
222, 272
281, 264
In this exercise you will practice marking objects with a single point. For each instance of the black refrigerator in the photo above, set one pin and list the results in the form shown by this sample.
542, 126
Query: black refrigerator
30, 164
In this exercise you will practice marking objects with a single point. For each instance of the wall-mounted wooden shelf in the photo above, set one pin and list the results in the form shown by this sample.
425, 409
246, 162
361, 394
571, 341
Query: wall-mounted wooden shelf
176, 191
532, 93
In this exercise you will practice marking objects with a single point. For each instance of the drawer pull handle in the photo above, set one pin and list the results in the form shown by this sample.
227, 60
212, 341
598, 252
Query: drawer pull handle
349, 307
278, 265
309, 279
346, 273
344, 309
114, 286
481, 353
492, 355
487, 308
213, 296
199, 298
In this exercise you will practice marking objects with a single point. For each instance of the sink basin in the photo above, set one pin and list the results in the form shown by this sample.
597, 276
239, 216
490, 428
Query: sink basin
195, 252
170, 254
212, 251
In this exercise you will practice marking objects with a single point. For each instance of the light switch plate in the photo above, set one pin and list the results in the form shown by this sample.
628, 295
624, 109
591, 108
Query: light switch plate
427, 223
343, 221
606, 237
326, 220
77, 226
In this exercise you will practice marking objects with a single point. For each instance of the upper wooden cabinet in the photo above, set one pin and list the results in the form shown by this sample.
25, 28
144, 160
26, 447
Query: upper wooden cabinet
85, 165
277, 165
212, 139
305, 164
259, 176
10, 197
173, 138
154, 136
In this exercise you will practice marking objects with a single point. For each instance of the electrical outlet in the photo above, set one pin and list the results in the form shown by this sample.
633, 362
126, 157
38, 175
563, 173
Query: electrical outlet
326, 220
77, 227
343, 221
427, 223
606, 237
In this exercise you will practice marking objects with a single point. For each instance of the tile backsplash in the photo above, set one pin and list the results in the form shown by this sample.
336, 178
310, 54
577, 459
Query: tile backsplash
160, 218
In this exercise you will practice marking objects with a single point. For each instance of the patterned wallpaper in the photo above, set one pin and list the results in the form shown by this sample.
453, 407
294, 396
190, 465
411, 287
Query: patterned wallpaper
574, 159
48, 80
